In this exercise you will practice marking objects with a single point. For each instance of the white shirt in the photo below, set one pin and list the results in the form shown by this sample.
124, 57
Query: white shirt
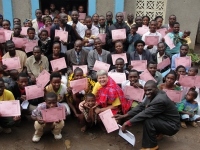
95, 30
127, 83
80, 28
159, 58
154, 49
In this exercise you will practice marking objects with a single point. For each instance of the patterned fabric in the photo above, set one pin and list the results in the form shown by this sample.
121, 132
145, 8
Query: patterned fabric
107, 95
188, 107
176, 38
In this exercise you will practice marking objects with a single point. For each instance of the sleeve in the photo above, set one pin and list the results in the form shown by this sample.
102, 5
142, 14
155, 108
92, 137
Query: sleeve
96, 87
173, 67
136, 110
35, 112
130, 38
47, 65
10, 96
109, 38
116, 102
25, 58
28, 67
180, 107
82, 32
96, 32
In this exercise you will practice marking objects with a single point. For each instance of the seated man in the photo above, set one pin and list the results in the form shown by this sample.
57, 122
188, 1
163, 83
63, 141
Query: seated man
10, 80
36, 64
6, 122
97, 54
159, 114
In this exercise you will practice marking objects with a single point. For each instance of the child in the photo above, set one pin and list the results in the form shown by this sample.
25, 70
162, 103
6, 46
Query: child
186, 37
132, 37
88, 40
55, 21
6, 24
60, 89
40, 125
46, 12
28, 23
89, 117
45, 42
47, 24
188, 109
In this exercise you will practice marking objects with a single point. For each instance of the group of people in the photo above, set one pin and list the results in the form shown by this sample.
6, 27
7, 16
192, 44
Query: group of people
84, 47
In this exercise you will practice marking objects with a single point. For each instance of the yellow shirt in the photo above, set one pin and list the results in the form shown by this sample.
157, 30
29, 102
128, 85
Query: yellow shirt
97, 87
7, 95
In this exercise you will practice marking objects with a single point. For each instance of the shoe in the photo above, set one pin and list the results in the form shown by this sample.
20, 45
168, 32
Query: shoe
154, 148
58, 137
36, 138
7, 130
194, 124
183, 125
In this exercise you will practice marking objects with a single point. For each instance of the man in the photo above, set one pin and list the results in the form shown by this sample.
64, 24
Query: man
38, 22
109, 18
17, 30
16, 21
159, 114
118, 25
76, 56
90, 26
12, 52
79, 28
95, 19
36, 64
53, 10
138, 21
97, 54
102, 25
65, 45
170, 25
183, 53
130, 21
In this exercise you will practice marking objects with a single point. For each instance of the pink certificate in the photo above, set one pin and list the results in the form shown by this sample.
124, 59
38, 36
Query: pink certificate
24, 30
174, 95
10, 108
139, 65
185, 61
162, 31
116, 56
2, 36
166, 62
82, 16
109, 122
151, 40
142, 30
119, 34
197, 81
146, 76
8, 34
58, 64
187, 81
79, 85
12, 63
62, 34
102, 37
53, 114
117, 77
101, 66
30, 45
169, 42
83, 67
19, 42
43, 79
34, 91
133, 93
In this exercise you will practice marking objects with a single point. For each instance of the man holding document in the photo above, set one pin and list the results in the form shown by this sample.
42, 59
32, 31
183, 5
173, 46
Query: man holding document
159, 114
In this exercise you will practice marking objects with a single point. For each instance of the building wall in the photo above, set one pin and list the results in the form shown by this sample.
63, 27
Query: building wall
1, 9
187, 12
129, 6
104, 5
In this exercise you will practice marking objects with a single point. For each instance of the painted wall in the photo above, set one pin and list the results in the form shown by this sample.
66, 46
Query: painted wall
104, 6
1, 9
129, 6
187, 12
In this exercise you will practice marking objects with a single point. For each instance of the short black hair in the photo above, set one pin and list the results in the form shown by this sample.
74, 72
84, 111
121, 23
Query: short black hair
77, 69
88, 17
151, 62
55, 75
6, 21
137, 42
56, 42
95, 14
30, 29
134, 26
196, 69
146, 17
151, 82
43, 30
24, 75
37, 48
55, 18
9, 42
90, 95
195, 94
37, 10
158, 17
184, 45
120, 59
50, 95
133, 70
180, 66
172, 72
176, 23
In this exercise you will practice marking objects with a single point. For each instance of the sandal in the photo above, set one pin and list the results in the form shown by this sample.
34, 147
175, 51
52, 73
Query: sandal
183, 125
194, 124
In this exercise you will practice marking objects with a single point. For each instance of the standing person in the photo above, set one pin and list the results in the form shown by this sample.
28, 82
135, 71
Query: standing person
118, 25
89, 25
62, 10
130, 18
159, 20
6, 24
78, 27
17, 30
44, 43
38, 22
138, 21
170, 25
80, 9
95, 19
16, 21
53, 10
109, 18
160, 117
103, 28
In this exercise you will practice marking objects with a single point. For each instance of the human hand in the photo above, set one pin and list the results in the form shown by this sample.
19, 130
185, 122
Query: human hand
58, 121
40, 120
33, 79
15, 118
178, 84
118, 117
97, 110
124, 127
23, 97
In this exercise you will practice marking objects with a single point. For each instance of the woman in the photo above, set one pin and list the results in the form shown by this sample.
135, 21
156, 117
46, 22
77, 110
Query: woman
109, 95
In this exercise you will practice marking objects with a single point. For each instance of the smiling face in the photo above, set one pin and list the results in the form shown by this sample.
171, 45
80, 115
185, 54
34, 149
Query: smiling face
133, 77
56, 82
152, 68
22, 82
51, 102
90, 101
102, 79
119, 65
150, 91
78, 74
119, 47
170, 80
119, 18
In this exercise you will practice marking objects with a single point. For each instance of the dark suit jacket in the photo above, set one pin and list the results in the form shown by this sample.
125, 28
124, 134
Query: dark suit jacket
146, 55
71, 58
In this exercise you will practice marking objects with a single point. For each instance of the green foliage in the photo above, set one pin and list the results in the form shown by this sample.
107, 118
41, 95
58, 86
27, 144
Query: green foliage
195, 57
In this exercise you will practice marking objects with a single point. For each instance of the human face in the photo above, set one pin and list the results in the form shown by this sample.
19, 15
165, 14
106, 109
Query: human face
138, 21
56, 21
88, 23
133, 29
176, 28
98, 44
189, 97
130, 17
31, 34
78, 46
46, 12
170, 79
43, 36
17, 30
37, 53
56, 82
102, 21
56, 49
192, 72
75, 16
52, 7
119, 47
6, 25
172, 20
119, 17
119, 65
152, 69
95, 18
90, 101
38, 14
140, 48
153, 26
51, 102
145, 21
88, 34
181, 71
28, 24
2, 87
62, 10
159, 22
109, 16
16, 21
11, 49
78, 75
103, 80
133, 78
183, 51
48, 22
150, 91
80, 9
161, 49
22, 82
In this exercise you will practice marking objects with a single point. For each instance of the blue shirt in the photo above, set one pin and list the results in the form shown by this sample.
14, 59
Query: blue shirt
173, 64
131, 41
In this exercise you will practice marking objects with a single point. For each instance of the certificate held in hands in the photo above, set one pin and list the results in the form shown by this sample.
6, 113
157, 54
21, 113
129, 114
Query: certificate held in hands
185, 61
19, 42
79, 85
43, 79
24, 30
174, 95
83, 67
102, 37
53, 114
151, 40
62, 34
30, 45
117, 77
139, 65
119, 34
2, 36
12, 63
116, 56
169, 42
34, 91
101, 66
58, 64
133, 93
163, 64
146, 76
10, 108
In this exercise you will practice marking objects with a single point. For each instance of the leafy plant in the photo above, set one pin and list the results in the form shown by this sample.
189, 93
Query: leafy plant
195, 57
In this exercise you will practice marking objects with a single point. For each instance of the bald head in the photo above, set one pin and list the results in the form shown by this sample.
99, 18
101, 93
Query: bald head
151, 83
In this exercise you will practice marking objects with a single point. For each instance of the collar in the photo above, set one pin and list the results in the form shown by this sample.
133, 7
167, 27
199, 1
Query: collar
40, 61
